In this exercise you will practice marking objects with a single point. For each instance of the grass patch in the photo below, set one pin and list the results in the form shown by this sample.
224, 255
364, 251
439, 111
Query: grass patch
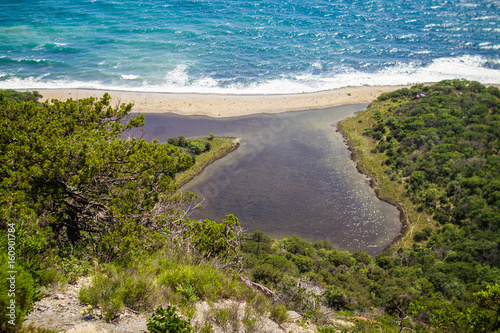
118, 287
33, 329
372, 164
159, 279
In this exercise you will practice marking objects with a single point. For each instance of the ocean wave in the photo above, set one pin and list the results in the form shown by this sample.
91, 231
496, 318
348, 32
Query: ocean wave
44, 46
7, 60
179, 81
30, 60
129, 76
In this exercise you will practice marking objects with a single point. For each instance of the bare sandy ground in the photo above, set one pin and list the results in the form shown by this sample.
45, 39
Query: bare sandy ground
227, 105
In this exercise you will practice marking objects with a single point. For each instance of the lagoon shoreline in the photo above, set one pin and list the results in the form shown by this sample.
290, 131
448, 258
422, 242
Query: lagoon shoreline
218, 105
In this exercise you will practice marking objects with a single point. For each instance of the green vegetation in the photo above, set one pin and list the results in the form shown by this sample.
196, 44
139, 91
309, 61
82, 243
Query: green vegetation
432, 150
85, 201
279, 313
388, 188
21, 288
167, 321
81, 199
210, 149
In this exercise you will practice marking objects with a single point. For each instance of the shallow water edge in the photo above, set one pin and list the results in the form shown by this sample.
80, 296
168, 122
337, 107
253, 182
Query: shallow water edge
403, 215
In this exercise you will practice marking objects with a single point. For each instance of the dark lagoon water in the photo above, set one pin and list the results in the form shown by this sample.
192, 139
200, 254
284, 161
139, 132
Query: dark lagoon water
292, 175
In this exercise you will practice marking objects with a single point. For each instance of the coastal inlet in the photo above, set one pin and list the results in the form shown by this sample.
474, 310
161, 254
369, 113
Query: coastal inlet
292, 175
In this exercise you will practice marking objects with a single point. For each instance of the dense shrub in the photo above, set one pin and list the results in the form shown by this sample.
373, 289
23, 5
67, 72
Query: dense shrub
279, 313
167, 321
267, 274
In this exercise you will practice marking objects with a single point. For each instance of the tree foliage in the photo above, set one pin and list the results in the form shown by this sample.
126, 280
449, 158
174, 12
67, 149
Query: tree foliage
443, 140
76, 185
68, 164
217, 240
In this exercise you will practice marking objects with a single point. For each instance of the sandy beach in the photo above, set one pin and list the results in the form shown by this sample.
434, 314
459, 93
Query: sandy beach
227, 105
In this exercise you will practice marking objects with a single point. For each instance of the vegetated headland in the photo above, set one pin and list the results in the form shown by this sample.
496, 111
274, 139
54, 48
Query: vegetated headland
206, 151
109, 210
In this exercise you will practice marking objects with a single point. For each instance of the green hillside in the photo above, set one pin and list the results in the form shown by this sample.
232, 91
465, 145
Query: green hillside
82, 197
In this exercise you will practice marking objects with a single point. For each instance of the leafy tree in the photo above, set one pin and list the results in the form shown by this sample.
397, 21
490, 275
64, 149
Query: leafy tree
281, 263
336, 298
65, 167
196, 147
267, 274
217, 240
257, 243
182, 141
489, 298
74, 179
303, 263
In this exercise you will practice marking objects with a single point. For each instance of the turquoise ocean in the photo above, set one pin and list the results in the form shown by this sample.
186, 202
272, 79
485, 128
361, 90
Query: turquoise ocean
248, 47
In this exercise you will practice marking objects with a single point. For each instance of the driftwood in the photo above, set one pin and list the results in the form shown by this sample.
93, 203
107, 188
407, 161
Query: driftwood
265, 290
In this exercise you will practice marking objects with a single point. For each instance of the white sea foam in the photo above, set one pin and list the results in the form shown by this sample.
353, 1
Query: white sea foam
28, 60
41, 47
179, 81
129, 76
39, 83
484, 18
177, 77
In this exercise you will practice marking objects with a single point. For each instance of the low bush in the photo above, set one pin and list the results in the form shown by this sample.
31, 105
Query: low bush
117, 287
251, 320
279, 313
167, 321
207, 282
258, 302
227, 317
159, 278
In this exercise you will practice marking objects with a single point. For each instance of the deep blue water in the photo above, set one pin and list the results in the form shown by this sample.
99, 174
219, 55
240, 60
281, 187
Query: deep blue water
237, 46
